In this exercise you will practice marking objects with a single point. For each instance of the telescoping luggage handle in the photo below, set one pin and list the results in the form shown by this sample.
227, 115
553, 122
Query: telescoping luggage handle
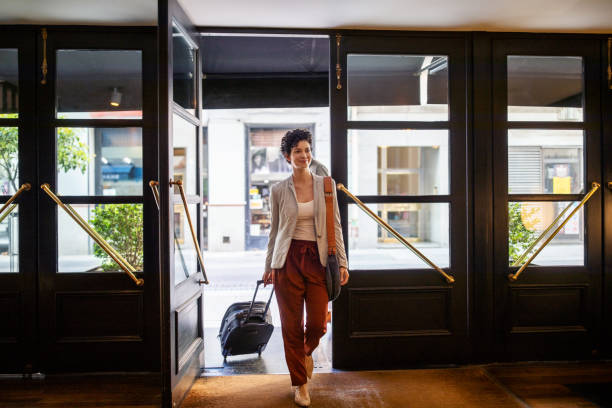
259, 282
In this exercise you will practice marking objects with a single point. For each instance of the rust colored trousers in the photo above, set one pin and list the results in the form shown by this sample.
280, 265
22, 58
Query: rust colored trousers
301, 280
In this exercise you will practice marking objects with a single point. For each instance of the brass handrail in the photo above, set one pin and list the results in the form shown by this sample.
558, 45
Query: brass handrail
594, 187
127, 268
392, 231
534, 243
6, 214
154, 187
24, 187
179, 183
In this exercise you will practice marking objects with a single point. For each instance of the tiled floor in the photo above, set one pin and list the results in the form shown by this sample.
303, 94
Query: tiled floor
272, 360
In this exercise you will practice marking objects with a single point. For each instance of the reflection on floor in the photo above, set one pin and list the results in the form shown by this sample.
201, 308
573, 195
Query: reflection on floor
272, 360
550, 385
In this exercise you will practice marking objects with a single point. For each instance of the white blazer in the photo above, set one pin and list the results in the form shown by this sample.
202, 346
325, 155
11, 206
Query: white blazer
284, 208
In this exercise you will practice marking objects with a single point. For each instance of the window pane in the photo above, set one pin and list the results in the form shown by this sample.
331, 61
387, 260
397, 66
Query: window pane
9, 163
425, 225
184, 138
99, 84
527, 221
545, 161
542, 88
119, 224
9, 83
9, 240
185, 254
184, 68
99, 161
398, 162
397, 87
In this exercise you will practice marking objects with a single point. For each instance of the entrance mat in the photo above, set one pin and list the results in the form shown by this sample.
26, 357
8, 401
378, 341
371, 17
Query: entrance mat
449, 388
598, 393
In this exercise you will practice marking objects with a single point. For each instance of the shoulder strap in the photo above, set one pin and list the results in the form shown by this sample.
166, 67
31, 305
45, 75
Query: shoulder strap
329, 213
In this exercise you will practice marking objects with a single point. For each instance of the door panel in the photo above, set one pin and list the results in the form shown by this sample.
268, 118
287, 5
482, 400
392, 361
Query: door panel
92, 315
546, 98
19, 260
181, 160
399, 143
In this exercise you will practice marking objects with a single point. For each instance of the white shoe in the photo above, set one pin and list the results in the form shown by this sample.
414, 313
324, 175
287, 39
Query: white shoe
301, 397
309, 366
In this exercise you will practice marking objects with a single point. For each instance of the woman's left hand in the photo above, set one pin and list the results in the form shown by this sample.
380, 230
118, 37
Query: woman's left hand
344, 276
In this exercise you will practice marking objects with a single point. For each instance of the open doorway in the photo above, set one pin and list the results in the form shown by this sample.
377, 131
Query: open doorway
256, 87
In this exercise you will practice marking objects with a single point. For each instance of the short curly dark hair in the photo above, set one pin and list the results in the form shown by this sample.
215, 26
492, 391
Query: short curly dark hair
292, 138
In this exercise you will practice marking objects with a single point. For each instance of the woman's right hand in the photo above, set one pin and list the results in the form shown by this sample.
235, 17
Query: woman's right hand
268, 277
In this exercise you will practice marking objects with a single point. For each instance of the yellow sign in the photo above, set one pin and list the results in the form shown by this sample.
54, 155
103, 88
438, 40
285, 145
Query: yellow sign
562, 185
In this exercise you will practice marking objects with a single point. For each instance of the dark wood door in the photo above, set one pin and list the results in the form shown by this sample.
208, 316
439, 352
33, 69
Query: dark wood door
399, 143
96, 143
181, 140
17, 230
547, 155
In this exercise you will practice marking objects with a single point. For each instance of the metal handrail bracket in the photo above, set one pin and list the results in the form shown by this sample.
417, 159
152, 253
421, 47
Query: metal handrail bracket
179, 183
24, 187
393, 232
123, 264
594, 187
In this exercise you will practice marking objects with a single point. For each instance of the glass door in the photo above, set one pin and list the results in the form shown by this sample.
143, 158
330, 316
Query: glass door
399, 145
96, 132
183, 196
18, 218
547, 159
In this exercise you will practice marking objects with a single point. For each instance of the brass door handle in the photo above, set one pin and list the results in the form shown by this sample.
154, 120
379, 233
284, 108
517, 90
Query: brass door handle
610, 185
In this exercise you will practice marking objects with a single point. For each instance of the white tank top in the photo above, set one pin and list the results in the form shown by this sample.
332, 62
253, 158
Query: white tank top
305, 227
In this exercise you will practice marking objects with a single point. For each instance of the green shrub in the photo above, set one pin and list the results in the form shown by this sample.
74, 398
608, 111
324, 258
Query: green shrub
121, 226
519, 236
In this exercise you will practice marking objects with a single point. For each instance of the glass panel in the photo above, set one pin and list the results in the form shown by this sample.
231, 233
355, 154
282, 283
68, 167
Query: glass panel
119, 224
99, 161
185, 254
397, 87
545, 161
184, 140
9, 83
425, 225
9, 162
184, 68
527, 221
205, 199
9, 240
542, 88
99, 84
398, 162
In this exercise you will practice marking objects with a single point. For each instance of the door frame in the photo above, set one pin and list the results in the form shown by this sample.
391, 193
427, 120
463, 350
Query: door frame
19, 291
406, 284
539, 343
179, 372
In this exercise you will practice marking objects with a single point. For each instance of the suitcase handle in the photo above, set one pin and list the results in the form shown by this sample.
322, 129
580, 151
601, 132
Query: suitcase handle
259, 282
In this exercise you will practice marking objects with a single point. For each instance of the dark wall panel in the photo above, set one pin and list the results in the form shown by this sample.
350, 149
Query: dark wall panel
408, 311
188, 336
100, 316
546, 308
9, 317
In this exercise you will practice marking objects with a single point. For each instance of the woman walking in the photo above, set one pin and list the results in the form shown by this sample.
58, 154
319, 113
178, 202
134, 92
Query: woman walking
296, 258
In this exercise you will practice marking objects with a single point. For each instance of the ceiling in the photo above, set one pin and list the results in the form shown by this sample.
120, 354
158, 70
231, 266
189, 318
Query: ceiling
584, 16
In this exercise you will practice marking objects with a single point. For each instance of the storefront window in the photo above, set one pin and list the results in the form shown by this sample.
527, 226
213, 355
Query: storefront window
267, 166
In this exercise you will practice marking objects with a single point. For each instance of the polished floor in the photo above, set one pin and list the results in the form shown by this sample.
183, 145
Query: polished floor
536, 385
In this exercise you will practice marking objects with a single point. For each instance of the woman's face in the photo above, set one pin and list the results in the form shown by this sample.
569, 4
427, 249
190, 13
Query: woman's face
301, 156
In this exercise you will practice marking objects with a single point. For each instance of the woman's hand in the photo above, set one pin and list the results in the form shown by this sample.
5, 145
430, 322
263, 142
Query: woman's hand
268, 277
344, 276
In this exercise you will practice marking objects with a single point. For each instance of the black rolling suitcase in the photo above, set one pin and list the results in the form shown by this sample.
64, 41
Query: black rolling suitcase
246, 327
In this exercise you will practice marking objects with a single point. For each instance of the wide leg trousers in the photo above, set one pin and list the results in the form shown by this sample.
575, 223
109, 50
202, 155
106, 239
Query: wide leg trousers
301, 280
